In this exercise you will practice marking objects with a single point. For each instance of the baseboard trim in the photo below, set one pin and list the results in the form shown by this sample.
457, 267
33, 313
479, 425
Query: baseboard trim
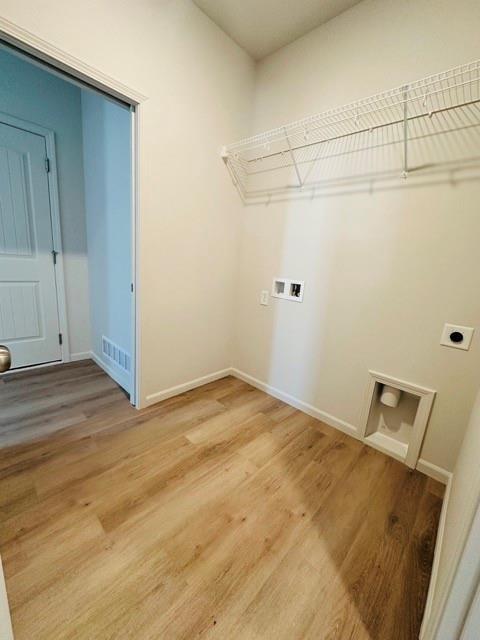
433, 471
6, 632
428, 468
332, 421
81, 355
158, 396
437, 554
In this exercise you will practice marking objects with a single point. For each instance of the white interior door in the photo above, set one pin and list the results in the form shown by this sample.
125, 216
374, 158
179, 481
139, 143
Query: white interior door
29, 324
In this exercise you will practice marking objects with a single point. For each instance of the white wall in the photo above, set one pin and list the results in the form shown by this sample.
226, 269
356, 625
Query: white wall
6, 632
461, 509
29, 93
199, 86
107, 165
383, 271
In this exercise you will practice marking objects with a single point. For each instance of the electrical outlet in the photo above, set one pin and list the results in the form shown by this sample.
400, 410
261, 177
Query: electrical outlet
456, 336
264, 297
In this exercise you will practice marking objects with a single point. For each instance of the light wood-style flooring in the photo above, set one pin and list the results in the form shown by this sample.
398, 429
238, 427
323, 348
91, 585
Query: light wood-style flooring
221, 513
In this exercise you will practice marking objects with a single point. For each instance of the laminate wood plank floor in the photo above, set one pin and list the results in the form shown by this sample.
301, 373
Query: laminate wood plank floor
221, 513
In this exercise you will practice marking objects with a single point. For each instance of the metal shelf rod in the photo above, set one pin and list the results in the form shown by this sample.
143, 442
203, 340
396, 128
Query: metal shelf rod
450, 100
267, 137
364, 130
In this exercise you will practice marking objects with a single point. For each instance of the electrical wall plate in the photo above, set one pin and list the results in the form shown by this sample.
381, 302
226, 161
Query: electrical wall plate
264, 297
288, 289
456, 336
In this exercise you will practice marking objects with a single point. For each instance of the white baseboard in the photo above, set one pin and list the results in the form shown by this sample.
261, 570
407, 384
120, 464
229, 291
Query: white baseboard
432, 471
6, 632
120, 379
81, 355
437, 553
158, 396
332, 421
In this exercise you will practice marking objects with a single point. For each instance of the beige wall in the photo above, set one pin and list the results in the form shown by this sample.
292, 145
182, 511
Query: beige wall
460, 511
384, 270
199, 86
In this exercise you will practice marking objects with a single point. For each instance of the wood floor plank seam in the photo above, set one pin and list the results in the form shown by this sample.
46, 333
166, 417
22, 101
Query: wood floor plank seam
220, 513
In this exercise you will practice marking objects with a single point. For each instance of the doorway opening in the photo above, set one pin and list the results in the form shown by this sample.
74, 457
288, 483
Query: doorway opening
67, 232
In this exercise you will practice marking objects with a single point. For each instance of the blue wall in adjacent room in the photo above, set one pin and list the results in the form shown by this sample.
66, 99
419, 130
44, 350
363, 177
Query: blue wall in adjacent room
29, 93
107, 167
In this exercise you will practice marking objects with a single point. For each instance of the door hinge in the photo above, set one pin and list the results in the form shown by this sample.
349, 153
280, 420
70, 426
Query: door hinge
54, 256
131, 287
60, 338
47, 165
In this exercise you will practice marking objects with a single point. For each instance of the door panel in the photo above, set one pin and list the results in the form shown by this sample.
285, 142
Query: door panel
15, 214
19, 312
28, 299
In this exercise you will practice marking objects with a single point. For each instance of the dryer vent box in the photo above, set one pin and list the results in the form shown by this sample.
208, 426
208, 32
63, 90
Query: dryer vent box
396, 428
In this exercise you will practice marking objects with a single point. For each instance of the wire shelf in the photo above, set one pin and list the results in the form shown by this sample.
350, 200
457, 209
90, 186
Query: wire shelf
391, 132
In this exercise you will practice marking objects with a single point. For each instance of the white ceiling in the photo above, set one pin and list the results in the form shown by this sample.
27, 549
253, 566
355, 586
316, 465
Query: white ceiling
263, 26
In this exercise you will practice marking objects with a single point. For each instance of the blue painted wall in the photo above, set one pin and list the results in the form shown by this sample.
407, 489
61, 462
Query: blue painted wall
107, 168
30, 93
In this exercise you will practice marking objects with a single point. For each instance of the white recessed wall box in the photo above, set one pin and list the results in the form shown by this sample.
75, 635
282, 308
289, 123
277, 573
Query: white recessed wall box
456, 336
288, 289
395, 416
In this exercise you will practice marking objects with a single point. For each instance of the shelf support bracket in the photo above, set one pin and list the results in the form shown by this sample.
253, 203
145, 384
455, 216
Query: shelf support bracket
405, 131
300, 183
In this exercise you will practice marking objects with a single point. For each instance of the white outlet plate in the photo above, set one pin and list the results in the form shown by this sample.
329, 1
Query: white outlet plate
467, 333
264, 297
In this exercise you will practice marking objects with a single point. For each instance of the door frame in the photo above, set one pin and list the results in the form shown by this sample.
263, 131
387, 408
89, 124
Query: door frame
45, 54
459, 604
49, 136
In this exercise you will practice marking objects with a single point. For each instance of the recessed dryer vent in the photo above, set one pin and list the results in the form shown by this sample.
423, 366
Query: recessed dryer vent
396, 417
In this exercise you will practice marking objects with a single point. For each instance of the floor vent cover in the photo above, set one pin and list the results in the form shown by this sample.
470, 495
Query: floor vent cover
117, 355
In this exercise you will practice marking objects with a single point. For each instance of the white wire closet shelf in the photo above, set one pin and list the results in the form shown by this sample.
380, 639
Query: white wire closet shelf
424, 124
